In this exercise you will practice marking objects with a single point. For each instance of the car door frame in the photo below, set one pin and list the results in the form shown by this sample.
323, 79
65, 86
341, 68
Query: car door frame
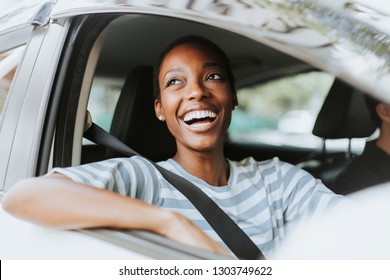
28, 101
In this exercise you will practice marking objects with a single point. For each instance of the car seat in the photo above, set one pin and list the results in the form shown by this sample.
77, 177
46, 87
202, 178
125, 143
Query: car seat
344, 115
134, 120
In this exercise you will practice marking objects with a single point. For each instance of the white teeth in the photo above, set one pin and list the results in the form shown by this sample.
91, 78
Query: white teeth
199, 115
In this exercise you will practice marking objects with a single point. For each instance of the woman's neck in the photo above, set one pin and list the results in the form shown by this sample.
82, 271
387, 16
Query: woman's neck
211, 167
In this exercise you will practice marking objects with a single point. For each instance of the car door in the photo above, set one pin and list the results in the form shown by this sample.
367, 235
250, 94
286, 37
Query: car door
23, 118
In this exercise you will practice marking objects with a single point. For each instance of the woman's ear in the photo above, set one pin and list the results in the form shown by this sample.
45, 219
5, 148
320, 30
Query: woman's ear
159, 110
383, 111
235, 100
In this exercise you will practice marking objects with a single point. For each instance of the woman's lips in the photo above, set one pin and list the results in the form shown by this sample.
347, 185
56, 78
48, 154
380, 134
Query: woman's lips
199, 117
200, 120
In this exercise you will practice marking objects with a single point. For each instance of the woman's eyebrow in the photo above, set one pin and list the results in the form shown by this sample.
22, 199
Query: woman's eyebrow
173, 70
213, 64
205, 65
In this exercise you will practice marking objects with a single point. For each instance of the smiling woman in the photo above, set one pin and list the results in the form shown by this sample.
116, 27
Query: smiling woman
195, 96
194, 86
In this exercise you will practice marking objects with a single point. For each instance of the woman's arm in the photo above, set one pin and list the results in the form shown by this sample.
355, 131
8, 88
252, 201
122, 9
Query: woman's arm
303, 194
58, 201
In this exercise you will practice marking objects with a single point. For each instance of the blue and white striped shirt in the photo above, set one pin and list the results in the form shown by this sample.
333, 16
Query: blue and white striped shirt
263, 198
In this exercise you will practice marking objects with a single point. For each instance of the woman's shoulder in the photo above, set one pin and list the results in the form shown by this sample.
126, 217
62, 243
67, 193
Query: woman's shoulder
104, 167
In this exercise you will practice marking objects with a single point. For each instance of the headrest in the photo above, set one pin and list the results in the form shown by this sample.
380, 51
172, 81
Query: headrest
134, 121
344, 114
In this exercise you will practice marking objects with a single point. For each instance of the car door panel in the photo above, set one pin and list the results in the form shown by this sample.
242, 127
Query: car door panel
29, 101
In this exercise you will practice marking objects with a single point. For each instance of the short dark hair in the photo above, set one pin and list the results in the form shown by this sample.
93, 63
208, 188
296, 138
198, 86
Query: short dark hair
371, 103
192, 39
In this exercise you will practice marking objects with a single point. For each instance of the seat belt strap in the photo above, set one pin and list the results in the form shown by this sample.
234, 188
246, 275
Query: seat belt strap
233, 236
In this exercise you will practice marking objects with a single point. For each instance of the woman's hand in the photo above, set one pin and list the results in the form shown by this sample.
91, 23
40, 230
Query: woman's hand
180, 229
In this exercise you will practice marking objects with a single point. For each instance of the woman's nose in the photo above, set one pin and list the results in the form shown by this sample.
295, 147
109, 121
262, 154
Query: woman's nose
197, 91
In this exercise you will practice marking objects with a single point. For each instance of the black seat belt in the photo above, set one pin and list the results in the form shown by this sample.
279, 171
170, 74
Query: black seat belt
233, 236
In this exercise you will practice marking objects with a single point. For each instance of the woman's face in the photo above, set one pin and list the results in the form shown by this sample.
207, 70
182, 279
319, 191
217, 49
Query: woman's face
196, 99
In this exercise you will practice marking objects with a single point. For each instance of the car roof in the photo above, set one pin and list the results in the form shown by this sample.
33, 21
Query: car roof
18, 14
346, 38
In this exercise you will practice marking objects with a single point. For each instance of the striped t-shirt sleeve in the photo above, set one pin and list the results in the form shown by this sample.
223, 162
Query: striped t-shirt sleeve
134, 177
303, 194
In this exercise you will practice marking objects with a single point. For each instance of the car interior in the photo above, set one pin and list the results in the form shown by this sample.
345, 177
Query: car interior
343, 115
123, 49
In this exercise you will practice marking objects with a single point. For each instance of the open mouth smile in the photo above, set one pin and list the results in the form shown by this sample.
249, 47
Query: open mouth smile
199, 118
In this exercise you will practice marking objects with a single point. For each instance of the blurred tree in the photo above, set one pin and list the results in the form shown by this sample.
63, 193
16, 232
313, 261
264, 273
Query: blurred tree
299, 92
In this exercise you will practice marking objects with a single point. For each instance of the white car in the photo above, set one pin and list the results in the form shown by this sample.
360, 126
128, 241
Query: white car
62, 59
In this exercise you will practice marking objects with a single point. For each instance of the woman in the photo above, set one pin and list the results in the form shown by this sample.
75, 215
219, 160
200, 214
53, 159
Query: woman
195, 96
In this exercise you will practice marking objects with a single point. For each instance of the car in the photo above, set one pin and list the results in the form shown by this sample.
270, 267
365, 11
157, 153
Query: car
65, 62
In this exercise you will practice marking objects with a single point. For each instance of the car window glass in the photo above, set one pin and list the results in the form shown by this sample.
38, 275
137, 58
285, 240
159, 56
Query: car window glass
9, 61
283, 111
102, 101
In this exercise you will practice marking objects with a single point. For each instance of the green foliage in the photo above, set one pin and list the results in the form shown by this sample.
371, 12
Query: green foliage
262, 105
276, 97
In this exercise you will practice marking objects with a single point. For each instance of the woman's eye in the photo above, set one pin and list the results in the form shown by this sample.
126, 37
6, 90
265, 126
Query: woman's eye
172, 82
214, 76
